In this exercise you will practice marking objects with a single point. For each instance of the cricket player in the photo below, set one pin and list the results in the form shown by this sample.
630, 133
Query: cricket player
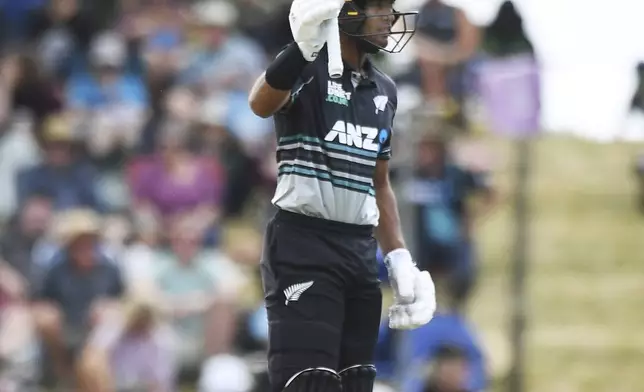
334, 201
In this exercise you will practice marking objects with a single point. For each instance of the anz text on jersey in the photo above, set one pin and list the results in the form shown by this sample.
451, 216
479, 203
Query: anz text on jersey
357, 136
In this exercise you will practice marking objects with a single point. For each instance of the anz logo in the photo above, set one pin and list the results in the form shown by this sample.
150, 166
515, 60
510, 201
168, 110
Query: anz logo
366, 138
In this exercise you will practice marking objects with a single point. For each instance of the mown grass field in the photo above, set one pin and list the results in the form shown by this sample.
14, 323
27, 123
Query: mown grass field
586, 284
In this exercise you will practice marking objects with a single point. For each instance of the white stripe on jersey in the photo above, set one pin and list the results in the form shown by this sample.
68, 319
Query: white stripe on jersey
366, 181
331, 154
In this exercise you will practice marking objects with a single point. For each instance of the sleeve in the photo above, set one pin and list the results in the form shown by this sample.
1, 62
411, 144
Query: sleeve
385, 135
306, 83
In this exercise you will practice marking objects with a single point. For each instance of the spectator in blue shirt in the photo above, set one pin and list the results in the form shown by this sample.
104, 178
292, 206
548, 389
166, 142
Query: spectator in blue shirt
67, 181
440, 191
425, 345
106, 83
222, 60
112, 103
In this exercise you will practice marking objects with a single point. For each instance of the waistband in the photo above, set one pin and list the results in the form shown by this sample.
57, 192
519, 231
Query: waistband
310, 222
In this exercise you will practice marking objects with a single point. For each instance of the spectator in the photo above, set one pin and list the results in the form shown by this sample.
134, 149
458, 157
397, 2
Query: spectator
62, 32
110, 102
449, 371
440, 192
25, 246
199, 289
234, 153
222, 60
139, 258
28, 90
427, 345
14, 20
18, 350
177, 182
70, 182
223, 65
79, 289
131, 352
445, 40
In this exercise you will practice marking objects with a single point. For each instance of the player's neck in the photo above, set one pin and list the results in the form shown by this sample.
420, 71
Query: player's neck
351, 55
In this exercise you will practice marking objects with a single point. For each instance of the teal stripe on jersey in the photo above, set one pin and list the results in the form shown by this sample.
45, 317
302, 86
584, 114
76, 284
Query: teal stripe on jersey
325, 176
331, 145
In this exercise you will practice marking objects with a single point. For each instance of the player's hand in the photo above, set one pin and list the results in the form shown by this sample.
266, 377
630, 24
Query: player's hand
308, 19
414, 292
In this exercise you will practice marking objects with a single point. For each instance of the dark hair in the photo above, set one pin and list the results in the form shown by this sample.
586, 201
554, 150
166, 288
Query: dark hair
448, 352
41, 193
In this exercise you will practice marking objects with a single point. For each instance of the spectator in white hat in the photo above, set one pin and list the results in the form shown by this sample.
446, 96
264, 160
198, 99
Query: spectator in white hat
223, 59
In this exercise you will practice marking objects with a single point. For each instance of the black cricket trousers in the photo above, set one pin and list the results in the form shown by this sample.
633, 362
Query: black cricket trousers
322, 295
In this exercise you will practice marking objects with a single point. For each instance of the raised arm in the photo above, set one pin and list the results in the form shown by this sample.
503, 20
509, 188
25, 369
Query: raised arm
272, 91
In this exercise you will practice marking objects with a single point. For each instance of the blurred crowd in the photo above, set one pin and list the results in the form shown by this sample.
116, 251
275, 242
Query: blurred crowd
136, 184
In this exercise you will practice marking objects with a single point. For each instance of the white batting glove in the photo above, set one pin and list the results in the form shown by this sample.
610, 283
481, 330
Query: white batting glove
414, 292
308, 19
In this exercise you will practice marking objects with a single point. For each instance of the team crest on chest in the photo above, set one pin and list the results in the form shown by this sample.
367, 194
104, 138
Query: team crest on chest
336, 94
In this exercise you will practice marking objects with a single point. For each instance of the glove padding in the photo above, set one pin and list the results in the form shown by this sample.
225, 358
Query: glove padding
414, 292
308, 20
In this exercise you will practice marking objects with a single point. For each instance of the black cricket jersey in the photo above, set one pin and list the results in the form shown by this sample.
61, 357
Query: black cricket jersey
329, 139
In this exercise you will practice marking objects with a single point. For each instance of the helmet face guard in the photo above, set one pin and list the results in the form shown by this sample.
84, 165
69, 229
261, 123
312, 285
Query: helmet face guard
352, 19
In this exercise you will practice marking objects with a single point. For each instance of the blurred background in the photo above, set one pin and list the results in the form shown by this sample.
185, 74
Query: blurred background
136, 184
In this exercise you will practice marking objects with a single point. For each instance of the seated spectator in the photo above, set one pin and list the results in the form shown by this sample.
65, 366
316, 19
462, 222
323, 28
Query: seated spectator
133, 351
199, 290
425, 345
222, 60
61, 31
18, 348
449, 371
25, 245
176, 182
139, 258
110, 102
18, 145
78, 290
70, 182
29, 91
235, 155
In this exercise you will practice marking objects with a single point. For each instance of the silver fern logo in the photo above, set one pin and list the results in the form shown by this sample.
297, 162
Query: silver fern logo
293, 293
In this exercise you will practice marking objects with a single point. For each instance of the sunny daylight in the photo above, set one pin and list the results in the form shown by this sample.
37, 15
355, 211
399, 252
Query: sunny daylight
321, 196
585, 269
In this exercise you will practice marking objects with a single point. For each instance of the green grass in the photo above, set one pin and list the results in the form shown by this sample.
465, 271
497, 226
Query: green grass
586, 284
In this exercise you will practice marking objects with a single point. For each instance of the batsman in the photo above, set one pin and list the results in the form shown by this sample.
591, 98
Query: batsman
334, 200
